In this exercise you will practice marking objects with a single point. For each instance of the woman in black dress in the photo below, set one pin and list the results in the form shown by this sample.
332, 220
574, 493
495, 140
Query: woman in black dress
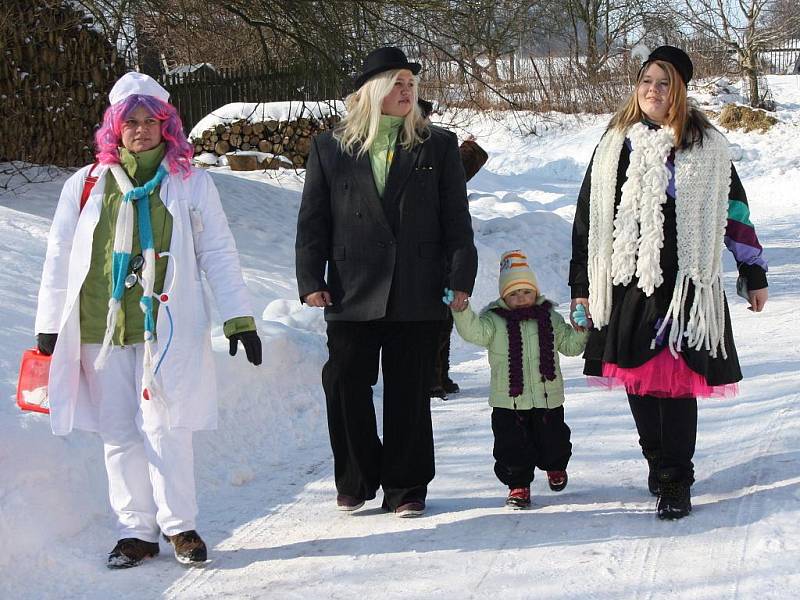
657, 204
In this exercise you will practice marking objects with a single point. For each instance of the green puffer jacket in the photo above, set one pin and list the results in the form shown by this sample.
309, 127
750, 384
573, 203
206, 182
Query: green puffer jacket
489, 330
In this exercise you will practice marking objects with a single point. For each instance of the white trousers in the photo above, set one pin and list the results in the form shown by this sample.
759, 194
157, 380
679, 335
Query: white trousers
150, 466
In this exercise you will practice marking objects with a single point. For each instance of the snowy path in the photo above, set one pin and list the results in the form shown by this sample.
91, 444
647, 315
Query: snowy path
279, 536
597, 539
265, 482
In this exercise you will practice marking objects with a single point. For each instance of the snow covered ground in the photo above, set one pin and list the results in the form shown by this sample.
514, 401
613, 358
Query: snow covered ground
265, 477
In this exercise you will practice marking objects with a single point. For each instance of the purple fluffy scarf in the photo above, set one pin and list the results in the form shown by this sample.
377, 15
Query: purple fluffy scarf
547, 364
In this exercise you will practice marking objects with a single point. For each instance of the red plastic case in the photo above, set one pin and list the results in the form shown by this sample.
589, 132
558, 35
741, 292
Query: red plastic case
34, 372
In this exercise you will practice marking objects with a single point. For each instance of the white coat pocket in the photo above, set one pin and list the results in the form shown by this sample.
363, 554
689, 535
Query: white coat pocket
197, 221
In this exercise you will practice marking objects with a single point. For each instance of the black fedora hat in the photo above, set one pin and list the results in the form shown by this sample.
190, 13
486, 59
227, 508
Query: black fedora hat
676, 57
382, 60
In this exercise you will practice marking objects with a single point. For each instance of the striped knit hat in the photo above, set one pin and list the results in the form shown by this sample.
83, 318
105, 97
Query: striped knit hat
515, 273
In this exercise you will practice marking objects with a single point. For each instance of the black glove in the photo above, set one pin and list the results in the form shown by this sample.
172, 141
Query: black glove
251, 343
46, 342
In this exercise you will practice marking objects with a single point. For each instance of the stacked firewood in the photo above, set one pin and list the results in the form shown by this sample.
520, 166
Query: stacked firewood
55, 73
289, 139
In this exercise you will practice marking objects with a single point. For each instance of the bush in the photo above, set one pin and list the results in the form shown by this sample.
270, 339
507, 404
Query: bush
735, 116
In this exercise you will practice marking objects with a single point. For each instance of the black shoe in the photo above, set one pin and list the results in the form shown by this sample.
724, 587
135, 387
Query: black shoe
450, 386
130, 552
438, 392
189, 547
652, 475
674, 499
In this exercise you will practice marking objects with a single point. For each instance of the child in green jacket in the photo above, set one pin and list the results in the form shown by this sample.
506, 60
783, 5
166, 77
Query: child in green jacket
524, 334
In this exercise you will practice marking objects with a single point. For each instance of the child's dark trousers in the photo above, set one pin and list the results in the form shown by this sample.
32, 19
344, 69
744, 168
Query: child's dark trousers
526, 439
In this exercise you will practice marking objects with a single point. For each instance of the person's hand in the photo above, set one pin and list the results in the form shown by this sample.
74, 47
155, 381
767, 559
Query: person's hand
579, 316
251, 343
572, 309
757, 299
449, 296
46, 342
460, 300
320, 299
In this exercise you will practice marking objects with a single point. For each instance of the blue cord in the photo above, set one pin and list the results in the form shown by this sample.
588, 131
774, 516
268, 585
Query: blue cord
169, 341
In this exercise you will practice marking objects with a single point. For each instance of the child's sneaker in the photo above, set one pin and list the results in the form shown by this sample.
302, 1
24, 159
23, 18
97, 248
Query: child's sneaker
557, 480
519, 498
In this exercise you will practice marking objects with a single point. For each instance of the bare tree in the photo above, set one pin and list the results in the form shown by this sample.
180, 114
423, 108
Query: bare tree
744, 28
113, 17
599, 27
784, 13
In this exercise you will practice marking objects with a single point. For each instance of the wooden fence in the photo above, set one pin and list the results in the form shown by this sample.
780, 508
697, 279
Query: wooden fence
197, 94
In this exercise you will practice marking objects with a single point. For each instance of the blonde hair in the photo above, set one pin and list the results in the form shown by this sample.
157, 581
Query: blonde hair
360, 125
683, 117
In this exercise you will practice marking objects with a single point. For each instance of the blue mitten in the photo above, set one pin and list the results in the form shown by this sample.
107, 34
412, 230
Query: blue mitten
579, 316
449, 296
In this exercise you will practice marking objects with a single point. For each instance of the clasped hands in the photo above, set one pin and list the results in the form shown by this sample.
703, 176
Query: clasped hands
579, 314
455, 299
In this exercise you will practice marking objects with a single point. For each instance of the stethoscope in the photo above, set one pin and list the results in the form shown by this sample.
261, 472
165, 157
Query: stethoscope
136, 265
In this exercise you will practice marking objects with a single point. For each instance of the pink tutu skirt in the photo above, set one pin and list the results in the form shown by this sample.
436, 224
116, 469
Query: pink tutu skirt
663, 376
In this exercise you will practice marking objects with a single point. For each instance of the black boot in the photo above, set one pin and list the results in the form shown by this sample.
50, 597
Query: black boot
130, 552
437, 391
450, 386
674, 500
652, 476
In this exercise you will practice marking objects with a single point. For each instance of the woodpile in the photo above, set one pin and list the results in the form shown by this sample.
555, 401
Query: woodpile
55, 74
288, 139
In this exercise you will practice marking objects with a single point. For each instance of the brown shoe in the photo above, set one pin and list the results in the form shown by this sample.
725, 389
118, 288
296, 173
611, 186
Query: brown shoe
414, 508
189, 547
130, 552
348, 503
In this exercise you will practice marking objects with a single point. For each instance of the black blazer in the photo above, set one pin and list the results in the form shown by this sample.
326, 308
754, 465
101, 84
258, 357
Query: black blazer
385, 258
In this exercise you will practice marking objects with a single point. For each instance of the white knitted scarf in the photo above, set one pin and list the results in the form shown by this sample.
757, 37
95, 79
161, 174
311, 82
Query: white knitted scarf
631, 243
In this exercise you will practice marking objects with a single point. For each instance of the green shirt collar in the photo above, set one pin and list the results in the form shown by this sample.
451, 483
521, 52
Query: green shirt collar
142, 165
389, 125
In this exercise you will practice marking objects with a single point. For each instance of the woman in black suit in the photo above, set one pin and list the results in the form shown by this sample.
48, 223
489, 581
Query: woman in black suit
384, 211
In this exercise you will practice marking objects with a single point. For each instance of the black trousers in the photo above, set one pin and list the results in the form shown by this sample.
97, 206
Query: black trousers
525, 439
667, 430
441, 374
403, 464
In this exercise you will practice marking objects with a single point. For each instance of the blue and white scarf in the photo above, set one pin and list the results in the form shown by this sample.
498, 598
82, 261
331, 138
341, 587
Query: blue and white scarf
123, 241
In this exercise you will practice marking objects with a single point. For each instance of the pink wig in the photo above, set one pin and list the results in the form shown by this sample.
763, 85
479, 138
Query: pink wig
108, 138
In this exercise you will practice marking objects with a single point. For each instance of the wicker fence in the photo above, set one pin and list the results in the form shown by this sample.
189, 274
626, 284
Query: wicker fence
197, 94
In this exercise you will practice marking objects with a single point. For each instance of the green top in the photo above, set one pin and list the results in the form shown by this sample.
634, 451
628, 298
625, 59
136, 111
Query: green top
382, 150
489, 330
96, 290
